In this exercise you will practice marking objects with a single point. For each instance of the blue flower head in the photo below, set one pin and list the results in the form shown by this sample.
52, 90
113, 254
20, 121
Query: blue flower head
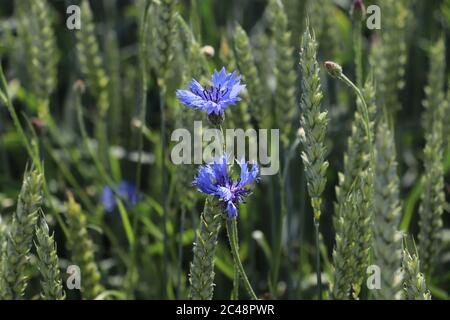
125, 190
215, 99
213, 179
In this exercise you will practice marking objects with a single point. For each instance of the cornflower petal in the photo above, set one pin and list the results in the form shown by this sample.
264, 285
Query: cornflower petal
231, 210
216, 99
213, 179
247, 176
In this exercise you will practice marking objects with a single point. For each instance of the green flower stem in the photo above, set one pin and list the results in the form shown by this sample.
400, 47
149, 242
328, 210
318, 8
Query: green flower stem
233, 237
144, 88
282, 180
318, 267
235, 292
180, 252
357, 47
84, 135
365, 111
164, 189
141, 121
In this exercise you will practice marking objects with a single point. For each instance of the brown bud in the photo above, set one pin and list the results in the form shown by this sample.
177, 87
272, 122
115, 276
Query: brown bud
333, 68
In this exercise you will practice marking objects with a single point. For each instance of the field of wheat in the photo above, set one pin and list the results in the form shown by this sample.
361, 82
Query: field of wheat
121, 169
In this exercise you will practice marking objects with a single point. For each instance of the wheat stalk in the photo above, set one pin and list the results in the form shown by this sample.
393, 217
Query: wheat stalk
433, 196
48, 263
81, 249
351, 255
285, 102
312, 133
201, 276
387, 212
388, 57
247, 67
15, 255
414, 284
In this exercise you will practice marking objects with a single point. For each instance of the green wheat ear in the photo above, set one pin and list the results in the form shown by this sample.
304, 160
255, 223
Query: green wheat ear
433, 196
313, 123
15, 255
3, 231
197, 65
164, 36
344, 262
355, 185
48, 263
414, 283
91, 60
241, 117
313, 131
201, 276
82, 252
285, 66
247, 67
322, 19
296, 12
387, 213
388, 58
39, 42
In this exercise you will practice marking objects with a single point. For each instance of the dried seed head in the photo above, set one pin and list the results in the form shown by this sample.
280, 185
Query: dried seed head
208, 51
333, 68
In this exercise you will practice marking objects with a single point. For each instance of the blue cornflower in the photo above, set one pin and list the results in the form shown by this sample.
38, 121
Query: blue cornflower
213, 179
127, 193
215, 100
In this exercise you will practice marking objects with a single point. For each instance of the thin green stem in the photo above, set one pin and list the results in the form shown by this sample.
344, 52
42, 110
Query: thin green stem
144, 89
365, 112
106, 179
180, 251
318, 267
282, 191
235, 292
164, 186
233, 237
68, 175
142, 116
357, 47
85, 138
6, 99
